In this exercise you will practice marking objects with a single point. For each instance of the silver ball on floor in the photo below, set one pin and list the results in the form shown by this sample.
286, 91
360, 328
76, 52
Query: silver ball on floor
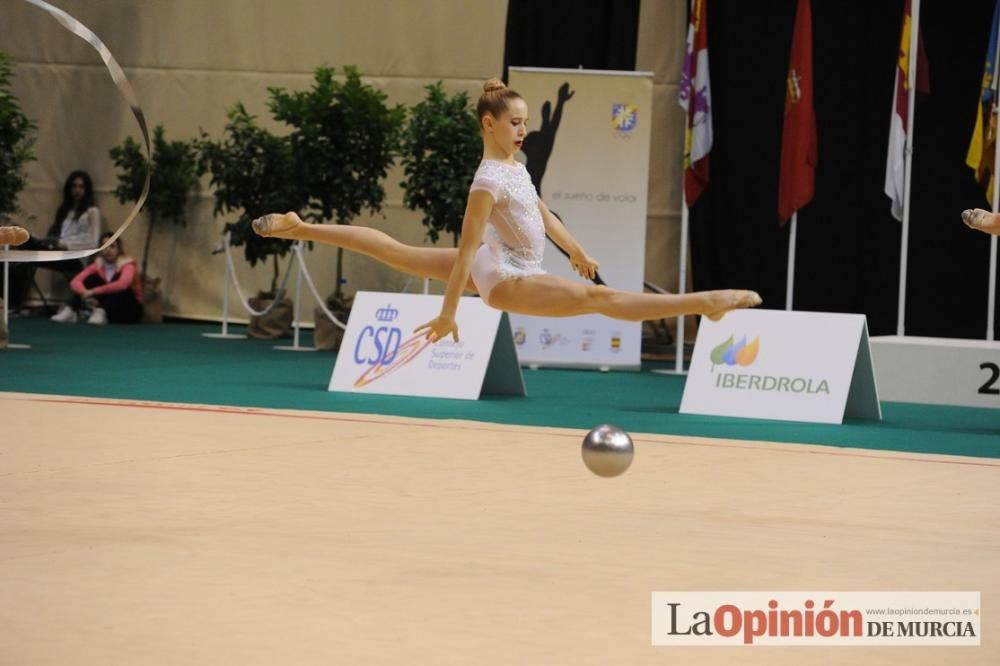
607, 450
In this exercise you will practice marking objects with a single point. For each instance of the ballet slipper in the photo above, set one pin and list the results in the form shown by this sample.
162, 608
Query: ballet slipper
280, 226
13, 236
982, 220
739, 300
973, 216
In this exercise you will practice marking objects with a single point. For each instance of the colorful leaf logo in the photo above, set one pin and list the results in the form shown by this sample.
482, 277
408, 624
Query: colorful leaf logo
736, 353
718, 354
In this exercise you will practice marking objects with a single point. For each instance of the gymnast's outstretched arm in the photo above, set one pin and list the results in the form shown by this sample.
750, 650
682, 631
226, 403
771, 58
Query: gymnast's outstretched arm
477, 211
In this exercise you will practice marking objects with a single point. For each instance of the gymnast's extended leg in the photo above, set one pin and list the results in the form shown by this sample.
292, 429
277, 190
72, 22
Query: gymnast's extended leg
553, 296
431, 262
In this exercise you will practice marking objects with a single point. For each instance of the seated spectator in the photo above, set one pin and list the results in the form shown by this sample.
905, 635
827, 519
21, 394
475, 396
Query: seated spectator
76, 226
108, 290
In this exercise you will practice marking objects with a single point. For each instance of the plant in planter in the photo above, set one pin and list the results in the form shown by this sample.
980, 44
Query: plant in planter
441, 150
176, 171
17, 138
344, 139
254, 173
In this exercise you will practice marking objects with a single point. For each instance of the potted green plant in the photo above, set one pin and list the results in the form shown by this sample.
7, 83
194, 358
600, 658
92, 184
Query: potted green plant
253, 173
344, 139
441, 150
17, 139
176, 172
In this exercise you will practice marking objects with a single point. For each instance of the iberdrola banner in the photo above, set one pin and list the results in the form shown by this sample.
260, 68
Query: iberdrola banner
587, 151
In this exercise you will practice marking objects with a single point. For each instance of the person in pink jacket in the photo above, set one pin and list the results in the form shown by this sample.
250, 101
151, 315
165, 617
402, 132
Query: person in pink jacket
109, 288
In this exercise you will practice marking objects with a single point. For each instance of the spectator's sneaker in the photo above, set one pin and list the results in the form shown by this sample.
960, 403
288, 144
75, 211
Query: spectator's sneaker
98, 317
65, 315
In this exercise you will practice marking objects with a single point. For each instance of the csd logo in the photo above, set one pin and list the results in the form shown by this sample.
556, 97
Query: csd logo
377, 345
387, 314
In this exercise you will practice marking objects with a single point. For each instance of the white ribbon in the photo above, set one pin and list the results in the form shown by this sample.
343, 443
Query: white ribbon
239, 290
125, 88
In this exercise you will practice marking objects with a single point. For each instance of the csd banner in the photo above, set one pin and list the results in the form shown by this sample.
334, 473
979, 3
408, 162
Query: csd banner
587, 151
790, 366
380, 352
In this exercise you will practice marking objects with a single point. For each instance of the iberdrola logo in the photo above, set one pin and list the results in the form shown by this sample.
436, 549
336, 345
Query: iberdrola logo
736, 353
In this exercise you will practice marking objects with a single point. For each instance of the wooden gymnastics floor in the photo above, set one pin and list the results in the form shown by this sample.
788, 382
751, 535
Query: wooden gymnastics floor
153, 533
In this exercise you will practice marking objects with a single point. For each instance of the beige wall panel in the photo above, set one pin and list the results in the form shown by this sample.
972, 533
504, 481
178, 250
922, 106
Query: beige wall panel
430, 38
188, 62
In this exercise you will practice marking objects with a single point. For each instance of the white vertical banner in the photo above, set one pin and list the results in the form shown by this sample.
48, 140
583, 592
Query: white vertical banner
587, 151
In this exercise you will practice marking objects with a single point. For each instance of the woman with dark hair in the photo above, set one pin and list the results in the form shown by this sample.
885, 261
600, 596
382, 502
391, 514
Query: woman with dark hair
77, 226
107, 290
77, 222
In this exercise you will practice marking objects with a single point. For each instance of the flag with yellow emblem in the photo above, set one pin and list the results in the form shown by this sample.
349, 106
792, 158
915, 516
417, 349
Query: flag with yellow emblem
983, 145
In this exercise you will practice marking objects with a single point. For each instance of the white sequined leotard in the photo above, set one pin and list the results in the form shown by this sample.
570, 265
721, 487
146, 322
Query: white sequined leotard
514, 239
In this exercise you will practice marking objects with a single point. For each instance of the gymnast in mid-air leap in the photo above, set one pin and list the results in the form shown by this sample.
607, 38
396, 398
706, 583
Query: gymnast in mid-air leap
503, 237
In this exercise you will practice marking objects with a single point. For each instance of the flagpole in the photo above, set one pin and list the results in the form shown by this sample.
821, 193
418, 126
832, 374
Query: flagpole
991, 306
681, 282
790, 283
911, 76
992, 291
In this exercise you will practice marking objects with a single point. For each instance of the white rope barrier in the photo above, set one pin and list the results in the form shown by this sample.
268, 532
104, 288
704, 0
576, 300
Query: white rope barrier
239, 290
312, 287
224, 334
296, 319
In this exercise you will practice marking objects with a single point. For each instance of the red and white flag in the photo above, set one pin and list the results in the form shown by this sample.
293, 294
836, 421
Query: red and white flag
696, 99
895, 165
796, 182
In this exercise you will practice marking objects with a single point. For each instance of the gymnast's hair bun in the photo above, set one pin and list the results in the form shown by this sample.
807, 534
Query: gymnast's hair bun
493, 85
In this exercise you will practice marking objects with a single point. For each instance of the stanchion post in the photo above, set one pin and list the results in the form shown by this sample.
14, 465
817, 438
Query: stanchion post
297, 251
225, 334
6, 301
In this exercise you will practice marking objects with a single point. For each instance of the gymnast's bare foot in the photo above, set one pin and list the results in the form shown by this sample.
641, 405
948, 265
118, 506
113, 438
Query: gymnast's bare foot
982, 220
13, 236
280, 226
731, 299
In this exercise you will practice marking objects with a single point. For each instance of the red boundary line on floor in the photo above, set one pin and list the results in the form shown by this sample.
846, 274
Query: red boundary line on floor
263, 411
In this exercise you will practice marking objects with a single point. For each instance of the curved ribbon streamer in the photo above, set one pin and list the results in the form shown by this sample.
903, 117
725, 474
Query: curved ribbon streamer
125, 88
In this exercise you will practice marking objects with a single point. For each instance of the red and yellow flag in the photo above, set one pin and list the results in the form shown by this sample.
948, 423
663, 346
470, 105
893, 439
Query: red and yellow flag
984, 137
799, 154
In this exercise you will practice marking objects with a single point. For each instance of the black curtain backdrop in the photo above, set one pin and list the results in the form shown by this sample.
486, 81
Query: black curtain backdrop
600, 34
848, 243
